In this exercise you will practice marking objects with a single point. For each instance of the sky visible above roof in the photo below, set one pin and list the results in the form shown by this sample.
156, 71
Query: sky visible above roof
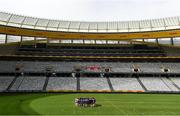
93, 10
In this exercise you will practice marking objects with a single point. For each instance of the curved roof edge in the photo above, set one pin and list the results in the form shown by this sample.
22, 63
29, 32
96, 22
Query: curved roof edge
20, 21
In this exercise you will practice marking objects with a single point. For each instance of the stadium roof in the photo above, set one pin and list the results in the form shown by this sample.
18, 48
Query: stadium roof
94, 27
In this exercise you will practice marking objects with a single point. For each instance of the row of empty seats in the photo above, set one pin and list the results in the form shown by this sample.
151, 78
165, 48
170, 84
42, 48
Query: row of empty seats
30, 83
154, 84
42, 49
94, 84
5, 82
116, 67
126, 84
62, 83
176, 81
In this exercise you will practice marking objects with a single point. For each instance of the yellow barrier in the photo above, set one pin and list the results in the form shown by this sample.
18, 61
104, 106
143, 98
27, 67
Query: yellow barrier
96, 36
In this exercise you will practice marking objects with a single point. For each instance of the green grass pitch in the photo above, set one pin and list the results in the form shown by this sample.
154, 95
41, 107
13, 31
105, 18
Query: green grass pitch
107, 104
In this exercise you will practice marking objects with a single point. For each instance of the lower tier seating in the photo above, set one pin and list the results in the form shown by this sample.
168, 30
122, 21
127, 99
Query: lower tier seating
42, 83
62, 83
154, 84
176, 81
170, 84
125, 84
28, 83
5, 82
94, 84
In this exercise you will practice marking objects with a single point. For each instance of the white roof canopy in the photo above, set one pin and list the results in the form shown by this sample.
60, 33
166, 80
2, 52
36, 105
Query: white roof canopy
95, 27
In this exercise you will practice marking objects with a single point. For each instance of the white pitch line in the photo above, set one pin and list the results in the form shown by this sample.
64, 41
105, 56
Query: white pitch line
116, 107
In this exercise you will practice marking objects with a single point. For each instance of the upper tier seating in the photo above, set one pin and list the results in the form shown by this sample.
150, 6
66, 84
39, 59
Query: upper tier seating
92, 50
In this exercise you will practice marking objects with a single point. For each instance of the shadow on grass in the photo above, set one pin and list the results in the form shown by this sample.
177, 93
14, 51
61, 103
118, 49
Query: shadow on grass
98, 105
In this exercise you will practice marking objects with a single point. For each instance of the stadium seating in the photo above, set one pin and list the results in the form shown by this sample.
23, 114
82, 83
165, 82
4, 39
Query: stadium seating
121, 67
62, 83
32, 83
154, 84
112, 56
79, 50
116, 67
169, 84
176, 81
94, 84
28, 83
17, 83
5, 82
125, 84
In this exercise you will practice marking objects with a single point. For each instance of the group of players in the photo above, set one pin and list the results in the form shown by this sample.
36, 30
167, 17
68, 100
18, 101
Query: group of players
85, 102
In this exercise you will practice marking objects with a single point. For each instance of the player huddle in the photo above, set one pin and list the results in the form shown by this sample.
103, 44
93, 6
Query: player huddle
85, 102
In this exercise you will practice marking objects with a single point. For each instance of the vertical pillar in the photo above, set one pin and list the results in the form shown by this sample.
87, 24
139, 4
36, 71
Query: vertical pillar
6, 39
157, 41
35, 42
21, 39
172, 41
